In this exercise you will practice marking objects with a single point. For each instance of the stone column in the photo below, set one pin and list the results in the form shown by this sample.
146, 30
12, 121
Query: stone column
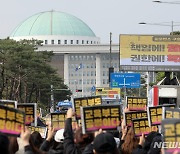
98, 70
66, 69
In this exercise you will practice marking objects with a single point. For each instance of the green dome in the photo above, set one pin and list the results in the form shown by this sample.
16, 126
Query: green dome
53, 23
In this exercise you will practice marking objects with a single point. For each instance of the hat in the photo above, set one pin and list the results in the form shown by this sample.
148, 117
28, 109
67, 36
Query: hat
59, 137
104, 142
149, 139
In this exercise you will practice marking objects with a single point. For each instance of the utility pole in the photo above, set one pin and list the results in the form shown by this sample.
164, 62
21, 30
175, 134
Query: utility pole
52, 109
111, 69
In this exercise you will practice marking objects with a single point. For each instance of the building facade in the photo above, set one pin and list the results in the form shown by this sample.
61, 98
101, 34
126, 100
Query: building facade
79, 57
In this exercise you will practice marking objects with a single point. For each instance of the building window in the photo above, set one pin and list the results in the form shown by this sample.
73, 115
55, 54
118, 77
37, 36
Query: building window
77, 41
92, 73
71, 41
84, 57
46, 41
91, 42
82, 41
59, 41
87, 42
104, 65
52, 41
104, 73
65, 41
104, 81
92, 81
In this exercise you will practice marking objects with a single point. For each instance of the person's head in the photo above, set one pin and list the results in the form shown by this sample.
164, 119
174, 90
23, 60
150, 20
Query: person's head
82, 139
152, 150
36, 139
13, 145
104, 143
4, 144
59, 137
130, 142
149, 139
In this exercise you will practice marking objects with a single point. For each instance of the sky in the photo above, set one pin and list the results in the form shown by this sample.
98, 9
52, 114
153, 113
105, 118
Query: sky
102, 16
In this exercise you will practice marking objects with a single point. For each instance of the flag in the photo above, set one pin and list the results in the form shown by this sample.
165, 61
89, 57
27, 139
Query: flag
79, 67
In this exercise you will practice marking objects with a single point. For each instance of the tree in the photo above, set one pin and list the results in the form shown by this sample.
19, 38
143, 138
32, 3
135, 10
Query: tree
25, 74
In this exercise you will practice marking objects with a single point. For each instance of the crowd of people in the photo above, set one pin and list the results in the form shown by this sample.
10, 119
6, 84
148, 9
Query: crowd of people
72, 141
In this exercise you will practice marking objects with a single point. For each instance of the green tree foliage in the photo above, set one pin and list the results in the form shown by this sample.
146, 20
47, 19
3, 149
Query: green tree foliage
26, 75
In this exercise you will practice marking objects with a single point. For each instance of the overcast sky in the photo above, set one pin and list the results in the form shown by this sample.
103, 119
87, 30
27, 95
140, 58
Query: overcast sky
102, 16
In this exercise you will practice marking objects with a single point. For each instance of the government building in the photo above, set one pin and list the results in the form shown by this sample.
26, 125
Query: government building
79, 56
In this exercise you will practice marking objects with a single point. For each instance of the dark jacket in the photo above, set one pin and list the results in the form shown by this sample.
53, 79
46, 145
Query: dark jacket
40, 123
88, 149
69, 146
28, 150
46, 146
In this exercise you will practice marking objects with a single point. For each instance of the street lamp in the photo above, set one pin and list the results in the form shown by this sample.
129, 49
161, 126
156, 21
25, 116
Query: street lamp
172, 25
173, 2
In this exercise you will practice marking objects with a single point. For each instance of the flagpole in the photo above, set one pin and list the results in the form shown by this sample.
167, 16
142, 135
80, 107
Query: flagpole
82, 81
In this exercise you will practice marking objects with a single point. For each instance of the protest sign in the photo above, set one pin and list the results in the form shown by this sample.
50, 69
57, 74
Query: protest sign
141, 126
30, 111
9, 103
136, 103
85, 101
129, 116
155, 114
106, 117
168, 113
41, 130
12, 121
58, 120
171, 135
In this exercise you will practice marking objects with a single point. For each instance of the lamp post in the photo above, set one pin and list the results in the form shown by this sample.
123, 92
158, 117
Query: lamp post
167, 24
173, 2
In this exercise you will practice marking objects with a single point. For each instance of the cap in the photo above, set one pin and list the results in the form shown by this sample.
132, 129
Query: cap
59, 137
104, 142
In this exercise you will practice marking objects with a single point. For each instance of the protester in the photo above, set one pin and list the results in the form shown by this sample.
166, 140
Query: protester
54, 146
13, 145
104, 143
130, 142
146, 145
4, 144
36, 139
29, 147
74, 143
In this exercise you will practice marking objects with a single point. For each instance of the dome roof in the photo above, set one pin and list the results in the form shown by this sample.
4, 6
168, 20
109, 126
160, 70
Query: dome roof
52, 23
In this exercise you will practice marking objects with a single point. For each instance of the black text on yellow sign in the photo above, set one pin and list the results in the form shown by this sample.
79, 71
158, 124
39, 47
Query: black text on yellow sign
129, 116
137, 103
142, 126
86, 101
96, 117
9, 103
169, 113
58, 120
41, 130
155, 114
30, 111
12, 121
171, 130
